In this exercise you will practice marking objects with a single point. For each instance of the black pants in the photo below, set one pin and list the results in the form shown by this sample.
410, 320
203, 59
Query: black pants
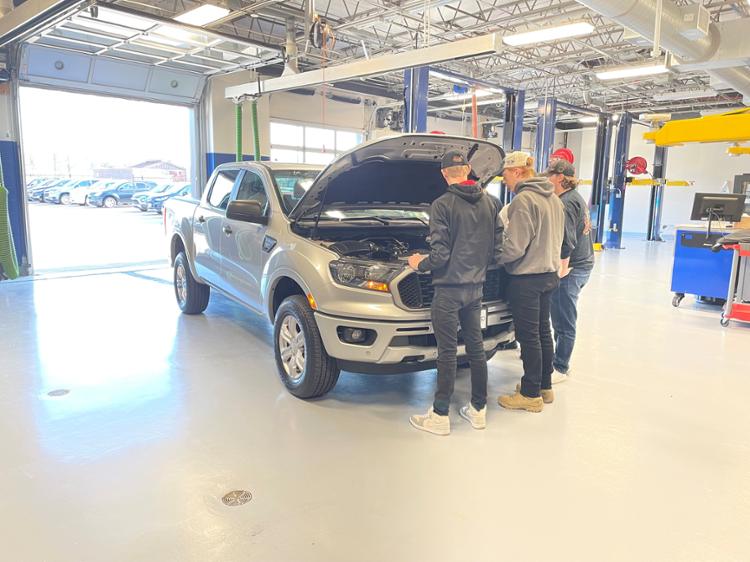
450, 306
529, 297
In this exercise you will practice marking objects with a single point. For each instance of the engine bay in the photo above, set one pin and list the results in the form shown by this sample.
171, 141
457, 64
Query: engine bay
382, 248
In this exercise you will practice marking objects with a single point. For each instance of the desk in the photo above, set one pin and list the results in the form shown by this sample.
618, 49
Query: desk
696, 269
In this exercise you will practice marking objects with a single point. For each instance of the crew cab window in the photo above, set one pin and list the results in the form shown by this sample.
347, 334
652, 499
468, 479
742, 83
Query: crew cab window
252, 189
222, 188
292, 185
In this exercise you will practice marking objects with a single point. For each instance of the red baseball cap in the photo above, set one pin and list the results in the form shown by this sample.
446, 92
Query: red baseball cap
564, 154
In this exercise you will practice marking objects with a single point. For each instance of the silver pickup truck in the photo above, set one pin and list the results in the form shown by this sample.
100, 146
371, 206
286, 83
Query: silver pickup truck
322, 253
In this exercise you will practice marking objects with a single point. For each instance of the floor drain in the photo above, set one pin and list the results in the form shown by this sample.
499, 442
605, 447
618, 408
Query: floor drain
58, 392
237, 497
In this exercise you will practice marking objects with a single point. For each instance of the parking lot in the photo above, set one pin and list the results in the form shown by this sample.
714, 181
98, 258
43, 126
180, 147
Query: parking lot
79, 238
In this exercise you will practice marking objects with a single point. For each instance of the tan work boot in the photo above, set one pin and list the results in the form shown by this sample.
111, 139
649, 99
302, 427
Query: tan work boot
547, 395
518, 401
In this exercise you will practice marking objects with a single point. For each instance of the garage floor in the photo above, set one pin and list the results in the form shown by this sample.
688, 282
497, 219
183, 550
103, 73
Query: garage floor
643, 456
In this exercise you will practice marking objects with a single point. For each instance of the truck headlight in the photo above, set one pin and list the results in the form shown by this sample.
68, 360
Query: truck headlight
364, 275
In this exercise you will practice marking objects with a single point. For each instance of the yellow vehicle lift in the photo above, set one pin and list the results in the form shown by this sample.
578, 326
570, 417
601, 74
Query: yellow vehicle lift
732, 126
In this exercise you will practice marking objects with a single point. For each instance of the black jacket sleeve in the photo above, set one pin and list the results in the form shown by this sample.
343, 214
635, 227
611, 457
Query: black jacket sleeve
498, 251
570, 235
440, 237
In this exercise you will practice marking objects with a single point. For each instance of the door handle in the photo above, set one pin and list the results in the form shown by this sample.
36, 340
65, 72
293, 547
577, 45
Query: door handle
201, 219
227, 230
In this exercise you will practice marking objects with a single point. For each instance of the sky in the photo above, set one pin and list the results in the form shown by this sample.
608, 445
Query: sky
63, 131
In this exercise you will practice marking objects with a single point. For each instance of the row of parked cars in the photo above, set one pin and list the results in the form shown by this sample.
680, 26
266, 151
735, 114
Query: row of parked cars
142, 194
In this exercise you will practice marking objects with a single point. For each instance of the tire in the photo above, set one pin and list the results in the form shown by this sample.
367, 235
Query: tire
724, 321
677, 299
319, 372
109, 202
192, 297
64, 199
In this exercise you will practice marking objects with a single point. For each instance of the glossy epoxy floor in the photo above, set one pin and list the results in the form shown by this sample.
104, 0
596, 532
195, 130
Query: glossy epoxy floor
645, 454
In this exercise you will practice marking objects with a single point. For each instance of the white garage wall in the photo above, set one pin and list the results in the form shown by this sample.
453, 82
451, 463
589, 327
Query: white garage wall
707, 165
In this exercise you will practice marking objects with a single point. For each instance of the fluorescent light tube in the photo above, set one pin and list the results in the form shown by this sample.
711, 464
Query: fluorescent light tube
202, 15
466, 106
549, 34
446, 77
685, 95
588, 119
632, 71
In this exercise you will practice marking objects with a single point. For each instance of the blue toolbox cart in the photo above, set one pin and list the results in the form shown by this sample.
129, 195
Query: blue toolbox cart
697, 270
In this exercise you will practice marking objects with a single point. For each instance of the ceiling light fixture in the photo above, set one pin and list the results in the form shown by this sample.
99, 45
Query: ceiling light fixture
447, 77
202, 15
466, 106
633, 71
549, 34
588, 119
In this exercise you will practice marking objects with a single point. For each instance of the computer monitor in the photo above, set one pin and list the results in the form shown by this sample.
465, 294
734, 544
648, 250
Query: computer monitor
718, 207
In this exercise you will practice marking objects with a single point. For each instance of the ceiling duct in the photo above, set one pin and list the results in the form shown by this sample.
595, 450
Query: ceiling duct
290, 49
683, 32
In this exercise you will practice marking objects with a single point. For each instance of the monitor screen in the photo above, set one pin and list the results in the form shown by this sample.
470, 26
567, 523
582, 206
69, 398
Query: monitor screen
718, 206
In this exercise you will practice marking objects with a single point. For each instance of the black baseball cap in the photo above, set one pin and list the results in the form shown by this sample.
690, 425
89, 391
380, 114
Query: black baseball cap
561, 167
453, 158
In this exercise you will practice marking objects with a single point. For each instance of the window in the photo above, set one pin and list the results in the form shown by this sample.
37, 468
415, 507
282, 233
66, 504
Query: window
298, 144
292, 185
252, 189
222, 188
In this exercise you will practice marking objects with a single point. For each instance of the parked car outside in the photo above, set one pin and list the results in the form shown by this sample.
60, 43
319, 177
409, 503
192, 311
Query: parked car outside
80, 195
118, 194
140, 199
181, 189
61, 194
37, 193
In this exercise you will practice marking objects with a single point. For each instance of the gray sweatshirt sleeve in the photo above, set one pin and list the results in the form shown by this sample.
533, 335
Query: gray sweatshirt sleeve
440, 250
520, 232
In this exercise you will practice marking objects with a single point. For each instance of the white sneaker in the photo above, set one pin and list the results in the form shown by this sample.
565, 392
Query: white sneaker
558, 377
432, 423
477, 418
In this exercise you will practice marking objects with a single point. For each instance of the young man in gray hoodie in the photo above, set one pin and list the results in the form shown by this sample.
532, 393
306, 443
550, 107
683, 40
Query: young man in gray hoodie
531, 255
465, 237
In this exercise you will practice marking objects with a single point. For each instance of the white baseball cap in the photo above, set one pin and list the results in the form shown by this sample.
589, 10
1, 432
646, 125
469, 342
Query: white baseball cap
518, 159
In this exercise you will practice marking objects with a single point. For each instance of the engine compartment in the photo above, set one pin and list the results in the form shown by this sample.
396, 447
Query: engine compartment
383, 246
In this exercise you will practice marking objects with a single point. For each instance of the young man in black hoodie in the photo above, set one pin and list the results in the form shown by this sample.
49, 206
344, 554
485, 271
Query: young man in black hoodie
465, 235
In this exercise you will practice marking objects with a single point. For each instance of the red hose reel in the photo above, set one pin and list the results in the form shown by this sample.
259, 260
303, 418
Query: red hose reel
637, 166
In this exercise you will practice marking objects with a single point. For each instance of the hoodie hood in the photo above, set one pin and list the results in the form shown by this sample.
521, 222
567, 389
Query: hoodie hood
469, 191
538, 185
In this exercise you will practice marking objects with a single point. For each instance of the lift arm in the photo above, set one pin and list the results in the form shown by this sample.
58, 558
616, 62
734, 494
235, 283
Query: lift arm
733, 126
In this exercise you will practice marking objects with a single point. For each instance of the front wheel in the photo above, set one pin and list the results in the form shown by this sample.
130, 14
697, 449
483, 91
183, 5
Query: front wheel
192, 297
65, 199
303, 364
110, 202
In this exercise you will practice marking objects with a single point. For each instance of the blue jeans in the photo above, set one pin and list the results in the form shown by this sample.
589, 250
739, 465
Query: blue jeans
564, 316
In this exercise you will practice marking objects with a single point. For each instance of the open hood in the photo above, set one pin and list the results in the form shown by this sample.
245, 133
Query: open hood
397, 171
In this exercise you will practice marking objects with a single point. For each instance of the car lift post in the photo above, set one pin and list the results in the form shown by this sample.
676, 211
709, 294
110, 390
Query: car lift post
601, 175
619, 175
545, 132
656, 204
416, 82
512, 130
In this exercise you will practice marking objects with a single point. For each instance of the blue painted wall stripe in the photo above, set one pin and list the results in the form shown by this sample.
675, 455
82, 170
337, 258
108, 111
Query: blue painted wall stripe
214, 159
12, 176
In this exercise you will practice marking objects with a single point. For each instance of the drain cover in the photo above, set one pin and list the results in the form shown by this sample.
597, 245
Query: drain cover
58, 392
237, 497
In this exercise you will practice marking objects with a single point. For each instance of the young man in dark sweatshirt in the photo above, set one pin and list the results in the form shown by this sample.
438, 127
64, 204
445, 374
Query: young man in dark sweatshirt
465, 236
578, 250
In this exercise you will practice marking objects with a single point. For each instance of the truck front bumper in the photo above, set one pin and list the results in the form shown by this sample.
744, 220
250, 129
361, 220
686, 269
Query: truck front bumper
403, 346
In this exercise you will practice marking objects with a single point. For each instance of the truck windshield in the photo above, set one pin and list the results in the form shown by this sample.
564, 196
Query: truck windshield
292, 185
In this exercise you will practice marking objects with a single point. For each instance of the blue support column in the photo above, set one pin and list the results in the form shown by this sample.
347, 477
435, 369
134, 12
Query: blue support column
601, 175
512, 130
416, 82
619, 175
657, 195
545, 132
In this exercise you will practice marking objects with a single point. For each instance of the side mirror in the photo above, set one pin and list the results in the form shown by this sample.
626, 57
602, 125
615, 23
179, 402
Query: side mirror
246, 211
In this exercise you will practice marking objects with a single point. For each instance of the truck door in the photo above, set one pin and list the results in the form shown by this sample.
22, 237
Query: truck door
207, 227
242, 243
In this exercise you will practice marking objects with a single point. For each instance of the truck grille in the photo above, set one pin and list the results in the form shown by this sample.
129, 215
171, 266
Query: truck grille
417, 292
